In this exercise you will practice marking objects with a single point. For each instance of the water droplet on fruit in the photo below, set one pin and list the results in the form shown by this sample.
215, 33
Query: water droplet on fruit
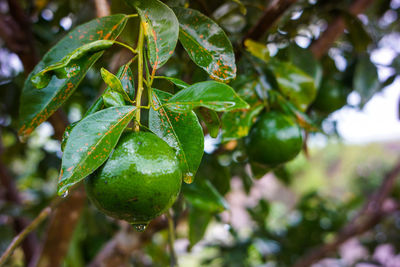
65, 194
139, 227
188, 177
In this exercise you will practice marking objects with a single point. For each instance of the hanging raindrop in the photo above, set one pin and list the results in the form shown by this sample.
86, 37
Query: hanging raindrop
65, 194
188, 177
139, 227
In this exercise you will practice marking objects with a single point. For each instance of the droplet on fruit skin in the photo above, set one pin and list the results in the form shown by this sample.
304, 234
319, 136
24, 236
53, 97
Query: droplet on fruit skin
65, 194
139, 227
188, 177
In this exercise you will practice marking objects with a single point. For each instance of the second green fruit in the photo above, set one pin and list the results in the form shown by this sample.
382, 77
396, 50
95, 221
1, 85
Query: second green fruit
274, 139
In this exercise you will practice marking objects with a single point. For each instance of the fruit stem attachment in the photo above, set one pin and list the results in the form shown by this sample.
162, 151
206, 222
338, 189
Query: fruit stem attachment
140, 75
171, 239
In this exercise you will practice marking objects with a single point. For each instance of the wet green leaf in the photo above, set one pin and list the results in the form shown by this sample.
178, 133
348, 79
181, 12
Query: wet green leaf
198, 222
181, 131
38, 105
96, 106
207, 44
161, 29
126, 77
213, 95
357, 33
91, 142
66, 134
211, 170
203, 195
305, 60
236, 124
211, 120
294, 84
242, 7
177, 82
257, 49
366, 80
114, 83
67, 67
303, 120
113, 99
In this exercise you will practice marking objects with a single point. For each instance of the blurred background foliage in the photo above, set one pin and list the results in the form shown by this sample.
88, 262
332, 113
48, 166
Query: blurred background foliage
228, 217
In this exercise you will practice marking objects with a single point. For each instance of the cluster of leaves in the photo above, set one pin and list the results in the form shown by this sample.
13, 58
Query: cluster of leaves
314, 220
291, 81
89, 142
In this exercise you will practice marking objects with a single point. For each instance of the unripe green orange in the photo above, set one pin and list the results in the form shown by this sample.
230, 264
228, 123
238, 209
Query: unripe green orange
139, 181
274, 139
331, 96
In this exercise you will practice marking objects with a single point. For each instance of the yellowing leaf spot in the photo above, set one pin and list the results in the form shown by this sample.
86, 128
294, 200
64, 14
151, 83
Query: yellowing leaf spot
242, 131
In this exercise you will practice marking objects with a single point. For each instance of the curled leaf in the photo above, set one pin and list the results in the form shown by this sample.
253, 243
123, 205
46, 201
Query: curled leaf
114, 83
66, 67
113, 99
211, 120
38, 105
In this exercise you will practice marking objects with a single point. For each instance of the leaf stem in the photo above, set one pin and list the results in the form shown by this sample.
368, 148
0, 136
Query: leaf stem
153, 73
171, 239
148, 83
132, 60
132, 16
140, 75
126, 46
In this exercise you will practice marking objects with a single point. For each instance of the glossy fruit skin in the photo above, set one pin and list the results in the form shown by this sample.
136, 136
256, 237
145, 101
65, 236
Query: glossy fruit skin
140, 180
330, 97
274, 139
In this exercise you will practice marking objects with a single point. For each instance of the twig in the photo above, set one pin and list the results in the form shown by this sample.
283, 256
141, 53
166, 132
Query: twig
119, 249
271, 15
335, 29
61, 227
29, 245
16, 31
205, 7
20, 237
102, 8
370, 215
32, 226
171, 240
140, 49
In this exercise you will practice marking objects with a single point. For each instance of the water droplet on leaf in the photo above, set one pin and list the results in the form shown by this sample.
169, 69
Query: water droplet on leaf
188, 177
140, 227
65, 194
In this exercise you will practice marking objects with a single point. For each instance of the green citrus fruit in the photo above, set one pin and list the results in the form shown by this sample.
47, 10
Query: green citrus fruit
274, 139
330, 97
139, 181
